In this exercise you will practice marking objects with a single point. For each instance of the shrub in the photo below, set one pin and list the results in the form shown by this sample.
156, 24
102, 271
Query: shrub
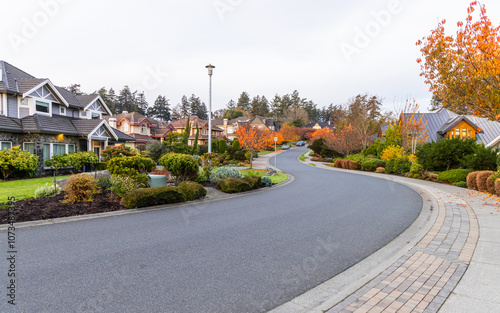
471, 180
192, 190
490, 184
80, 188
416, 168
254, 181
104, 182
454, 176
112, 152
433, 176
371, 164
135, 167
233, 185
416, 175
47, 191
155, 150
380, 170
183, 167
80, 159
481, 158
462, 184
266, 181
376, 148
145, 197
398, 165
222, 146
481, 180
223, 172
352, 165
17, 161
444, 154
497, 187
101, 166
120, 185
358, 158
236, 144
392, 152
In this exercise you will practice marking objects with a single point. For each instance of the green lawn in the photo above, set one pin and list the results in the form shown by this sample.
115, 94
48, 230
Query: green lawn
23, 188
302, 157
281, 177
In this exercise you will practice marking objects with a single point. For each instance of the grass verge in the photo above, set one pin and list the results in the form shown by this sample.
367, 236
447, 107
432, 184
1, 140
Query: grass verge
302, 157
23, 188
281, 177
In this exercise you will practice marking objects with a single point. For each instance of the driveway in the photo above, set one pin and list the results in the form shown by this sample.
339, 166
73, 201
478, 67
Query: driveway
243, 254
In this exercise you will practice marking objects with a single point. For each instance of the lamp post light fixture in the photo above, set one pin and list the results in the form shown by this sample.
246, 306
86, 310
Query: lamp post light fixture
210, 68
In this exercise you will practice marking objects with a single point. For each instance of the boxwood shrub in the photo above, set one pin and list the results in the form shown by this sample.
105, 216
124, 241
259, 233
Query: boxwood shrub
371, 164
253, 181
144, 197
192, 190
454, 176
233, 185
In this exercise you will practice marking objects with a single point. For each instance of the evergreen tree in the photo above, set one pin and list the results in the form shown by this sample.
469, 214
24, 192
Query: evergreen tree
109, 98
160, 109
195, 144
244, 102
126, 100
75, 89
231, 105
187, 131
185, 107
259, 106
198, 108
141, 104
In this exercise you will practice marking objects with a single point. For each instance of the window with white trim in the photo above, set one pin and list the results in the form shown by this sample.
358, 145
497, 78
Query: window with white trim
29, 147
96, 116
62, 110
125, 127
51, 149
42, 106
143, 128
5, 145
71, 148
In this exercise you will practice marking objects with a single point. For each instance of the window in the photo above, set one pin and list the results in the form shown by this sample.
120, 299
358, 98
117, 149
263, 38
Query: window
84, 113
42, 107
5, 145
96, 116
46, 152
62, 110
125, 127
58, 149
204, 132
143, 128
71, 148
24, 102
29, 147
464, 133
457, 132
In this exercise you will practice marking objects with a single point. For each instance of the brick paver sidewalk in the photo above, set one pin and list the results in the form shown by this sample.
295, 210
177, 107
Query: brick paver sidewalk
423, 278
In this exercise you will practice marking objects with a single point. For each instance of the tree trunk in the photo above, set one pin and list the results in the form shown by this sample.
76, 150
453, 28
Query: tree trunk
251, 158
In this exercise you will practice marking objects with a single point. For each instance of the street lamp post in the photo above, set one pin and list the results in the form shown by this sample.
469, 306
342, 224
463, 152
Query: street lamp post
210, 72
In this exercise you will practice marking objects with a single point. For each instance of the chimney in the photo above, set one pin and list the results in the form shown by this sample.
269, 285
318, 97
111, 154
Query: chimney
328, 122
225, 122
125, 112
112, 122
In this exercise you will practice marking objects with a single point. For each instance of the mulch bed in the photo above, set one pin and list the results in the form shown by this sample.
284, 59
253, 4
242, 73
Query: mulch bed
47, 208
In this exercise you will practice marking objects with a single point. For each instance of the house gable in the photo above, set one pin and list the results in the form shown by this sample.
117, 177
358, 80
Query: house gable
47, 91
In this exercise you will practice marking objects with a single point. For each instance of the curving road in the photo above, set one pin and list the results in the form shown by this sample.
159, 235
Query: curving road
245, 254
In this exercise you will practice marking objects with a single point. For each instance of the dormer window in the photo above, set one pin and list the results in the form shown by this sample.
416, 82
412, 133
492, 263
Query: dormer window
42, 106
125, 127
62, 110
24, 102
143, 128
96, 116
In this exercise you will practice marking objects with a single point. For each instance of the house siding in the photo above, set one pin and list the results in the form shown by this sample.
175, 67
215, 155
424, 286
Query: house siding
23, 112
12, 106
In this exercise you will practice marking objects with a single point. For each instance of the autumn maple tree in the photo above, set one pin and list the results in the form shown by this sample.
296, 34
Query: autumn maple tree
290, 133
254, 138
412, 127
463, 71
344, 140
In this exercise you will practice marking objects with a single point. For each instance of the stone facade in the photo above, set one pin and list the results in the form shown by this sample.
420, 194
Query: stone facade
39, 140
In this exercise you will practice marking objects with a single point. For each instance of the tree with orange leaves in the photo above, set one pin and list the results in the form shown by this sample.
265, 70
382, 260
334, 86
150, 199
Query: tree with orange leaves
290, 133
412, 127
344, 141
254, 138
325, 133
464, 71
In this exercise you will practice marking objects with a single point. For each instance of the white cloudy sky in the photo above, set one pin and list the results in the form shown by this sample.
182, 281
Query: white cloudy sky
264, 47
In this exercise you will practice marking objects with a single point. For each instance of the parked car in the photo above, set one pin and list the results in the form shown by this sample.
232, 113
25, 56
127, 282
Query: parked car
300, 143
285, 147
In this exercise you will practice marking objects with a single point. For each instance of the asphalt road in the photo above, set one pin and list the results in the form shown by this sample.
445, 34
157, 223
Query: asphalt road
246, 254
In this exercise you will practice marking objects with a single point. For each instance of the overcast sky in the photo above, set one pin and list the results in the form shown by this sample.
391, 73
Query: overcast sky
329, 51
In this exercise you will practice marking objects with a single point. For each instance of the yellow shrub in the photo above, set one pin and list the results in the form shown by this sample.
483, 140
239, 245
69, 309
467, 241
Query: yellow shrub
80, 188
392, 152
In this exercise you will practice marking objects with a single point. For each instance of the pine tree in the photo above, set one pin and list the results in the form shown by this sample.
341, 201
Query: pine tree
244, 102
185, 107
141, 104
187, 131
195, 144
160, 109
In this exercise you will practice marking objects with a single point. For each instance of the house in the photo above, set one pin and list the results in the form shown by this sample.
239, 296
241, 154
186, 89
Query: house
447, 124
317, 126
143, 129
230, 127
180, 125
48, 120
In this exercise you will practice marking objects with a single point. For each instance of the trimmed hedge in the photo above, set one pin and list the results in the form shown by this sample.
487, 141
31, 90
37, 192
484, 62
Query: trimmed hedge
144, 197
183, 167
497, 187
462, 184
253, 181
346, 164
371, 164
490, 184
135, 167
471, 181
192, 190
481, 180
233, 185
454, 176
398, 165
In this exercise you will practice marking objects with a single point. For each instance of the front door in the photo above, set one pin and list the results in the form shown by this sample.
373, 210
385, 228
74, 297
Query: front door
97, 151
